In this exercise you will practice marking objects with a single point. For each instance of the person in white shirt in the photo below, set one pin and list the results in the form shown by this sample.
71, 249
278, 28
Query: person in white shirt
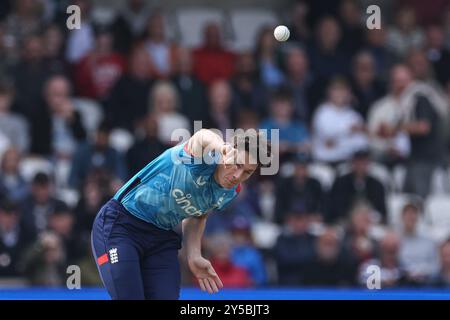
338, 130
164, 104
389, 144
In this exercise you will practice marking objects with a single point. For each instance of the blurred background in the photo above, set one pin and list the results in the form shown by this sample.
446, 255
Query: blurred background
363, 118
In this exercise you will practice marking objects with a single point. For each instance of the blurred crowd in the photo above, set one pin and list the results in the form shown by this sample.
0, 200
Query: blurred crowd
83, 110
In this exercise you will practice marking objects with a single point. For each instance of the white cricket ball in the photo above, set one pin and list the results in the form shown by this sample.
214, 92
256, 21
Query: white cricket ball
281, 33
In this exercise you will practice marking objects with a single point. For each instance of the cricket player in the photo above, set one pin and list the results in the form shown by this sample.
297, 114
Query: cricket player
133, 238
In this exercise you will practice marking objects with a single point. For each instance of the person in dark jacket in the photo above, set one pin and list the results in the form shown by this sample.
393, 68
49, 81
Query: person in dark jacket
57, 128
13, 238
355, 187
97, 155
294, 249
299, 186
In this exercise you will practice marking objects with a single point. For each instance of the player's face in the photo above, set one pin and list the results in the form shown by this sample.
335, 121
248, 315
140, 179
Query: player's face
229, 176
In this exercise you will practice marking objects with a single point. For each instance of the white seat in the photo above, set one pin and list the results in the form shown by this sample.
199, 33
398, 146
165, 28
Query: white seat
324, 173
121, 140
246, 24
265, 234
29, 167
398, 177
381, 173
91, 114
440, 181
68, 196
191, 22
437, 210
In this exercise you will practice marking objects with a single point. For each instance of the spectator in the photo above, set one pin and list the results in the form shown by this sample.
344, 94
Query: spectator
366, 87
293, 134
338, 130
294, 249
98, 155
390, 270
358, 240
8, 53
376, 45
127, 103
146, 149
354, 187
389, 144
423, 113
267, 58
327, 57
244, 253
352, 27
418, 253
162, 53
421, 68
13, 239
232, 276
29, 76
405, 34
13, 126
129, 24
299, 81
97, 72
53, 39
44, 263
299, 28
92, 199
58, 128
299, 187
191, 90
426, 12
12, 185
221, 113
248, 90
24, 20
331, 265
164, 105
442, 279
82, 40
437, 53
62, 222
206, 56
39, 204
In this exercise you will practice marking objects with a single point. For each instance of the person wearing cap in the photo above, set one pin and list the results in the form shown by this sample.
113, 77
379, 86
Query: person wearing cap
294, 248
299, 186
355, 186
38, 205
244, 253
13, 239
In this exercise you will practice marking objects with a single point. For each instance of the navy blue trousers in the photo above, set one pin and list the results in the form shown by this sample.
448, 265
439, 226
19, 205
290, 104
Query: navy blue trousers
136, 259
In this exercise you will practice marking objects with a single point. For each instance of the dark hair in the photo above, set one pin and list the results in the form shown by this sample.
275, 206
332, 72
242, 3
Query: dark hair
252, 142
8, 206
282, 94
41, 178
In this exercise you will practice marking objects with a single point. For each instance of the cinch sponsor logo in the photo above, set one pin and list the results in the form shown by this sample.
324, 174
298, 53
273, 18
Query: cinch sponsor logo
183, 200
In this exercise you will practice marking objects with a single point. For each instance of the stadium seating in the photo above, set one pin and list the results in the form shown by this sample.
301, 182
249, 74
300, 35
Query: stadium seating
30, 166
437, 214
